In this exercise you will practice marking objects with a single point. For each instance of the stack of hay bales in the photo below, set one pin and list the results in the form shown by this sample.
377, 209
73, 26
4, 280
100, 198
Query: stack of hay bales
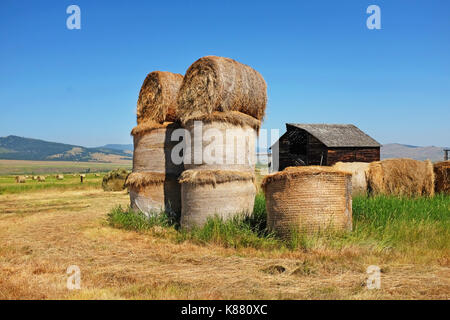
442, 177
359, 175
230, 98
114, 180
401, 177
153, 183
308, 200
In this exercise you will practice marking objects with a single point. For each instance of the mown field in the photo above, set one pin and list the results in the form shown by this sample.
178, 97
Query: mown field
121, 255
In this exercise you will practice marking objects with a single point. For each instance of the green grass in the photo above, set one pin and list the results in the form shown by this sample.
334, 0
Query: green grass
378, 222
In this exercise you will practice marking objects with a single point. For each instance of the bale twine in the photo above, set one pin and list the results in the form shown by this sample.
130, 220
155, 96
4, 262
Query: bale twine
207, 193
359, 172
154, 192
442, 177
220, 146
153, 147
157, 97
113, 180
221, 84
308, 200
401, 177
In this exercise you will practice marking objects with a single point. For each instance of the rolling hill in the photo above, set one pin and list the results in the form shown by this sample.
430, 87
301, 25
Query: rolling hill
19, 148
396, 150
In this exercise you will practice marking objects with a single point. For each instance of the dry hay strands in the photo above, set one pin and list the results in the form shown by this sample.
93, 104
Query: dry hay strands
221, 84
442, 177
308, 200
209, 193
114, 180
153, 147
153, 192
359, 175
235, 118
401, 177
220, 146
158, 97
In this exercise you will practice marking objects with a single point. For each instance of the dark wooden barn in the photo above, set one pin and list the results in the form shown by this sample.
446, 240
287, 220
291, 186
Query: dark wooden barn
324, 144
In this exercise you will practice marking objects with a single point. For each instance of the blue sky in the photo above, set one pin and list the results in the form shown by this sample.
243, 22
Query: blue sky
321, 63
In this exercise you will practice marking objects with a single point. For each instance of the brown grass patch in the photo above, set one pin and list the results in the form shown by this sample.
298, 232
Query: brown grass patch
202, 177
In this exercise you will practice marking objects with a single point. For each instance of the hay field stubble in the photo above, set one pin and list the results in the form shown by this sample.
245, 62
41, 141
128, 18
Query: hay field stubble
44, 231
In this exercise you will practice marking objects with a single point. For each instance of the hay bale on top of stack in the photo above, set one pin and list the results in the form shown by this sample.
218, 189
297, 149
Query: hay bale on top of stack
230, 98
442, 177
153, 183
308, 199
359, 175
401, 177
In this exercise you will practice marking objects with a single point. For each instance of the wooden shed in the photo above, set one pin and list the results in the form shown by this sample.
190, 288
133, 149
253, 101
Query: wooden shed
324, 144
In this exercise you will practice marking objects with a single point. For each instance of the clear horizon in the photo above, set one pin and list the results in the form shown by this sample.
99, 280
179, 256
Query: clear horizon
320, 61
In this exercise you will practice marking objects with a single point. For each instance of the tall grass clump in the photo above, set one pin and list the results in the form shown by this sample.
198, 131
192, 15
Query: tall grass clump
129, 219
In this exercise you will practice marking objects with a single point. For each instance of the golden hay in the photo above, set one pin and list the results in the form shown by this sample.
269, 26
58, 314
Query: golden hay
401, 177
157, 98
359, 175
233, 117
141, 179
221, 84
114, 180
149, 125
202, 177
294, 172
442, 177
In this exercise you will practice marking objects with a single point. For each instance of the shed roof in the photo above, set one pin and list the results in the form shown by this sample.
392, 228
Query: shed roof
338, 135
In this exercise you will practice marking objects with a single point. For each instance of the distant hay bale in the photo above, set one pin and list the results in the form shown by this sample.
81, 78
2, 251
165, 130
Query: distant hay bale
34, 178
221, 84
41, 179
359, 172
442, 177
158, 97
153, 147
20, 179
59, 177
115, 180
154, 192
220, 146
401, 177
308, 200
207, 193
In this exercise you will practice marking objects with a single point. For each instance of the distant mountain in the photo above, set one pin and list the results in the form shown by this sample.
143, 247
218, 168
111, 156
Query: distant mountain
19, 148
123, 147
396, 150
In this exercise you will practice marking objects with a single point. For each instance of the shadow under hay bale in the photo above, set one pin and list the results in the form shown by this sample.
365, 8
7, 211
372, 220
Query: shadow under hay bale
153, 192
221, 84
157, 97
209, 193
220, 145
442, 177
115, 180
308, 200
401, 177
359, 175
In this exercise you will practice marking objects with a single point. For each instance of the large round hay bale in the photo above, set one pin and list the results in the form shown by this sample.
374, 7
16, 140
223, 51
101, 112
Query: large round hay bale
220, 146
209, 193
221, 84
115, 180
359, 172
401, 177
154, 192
20, 179
153, 147
442, 177
158, 97
308, 200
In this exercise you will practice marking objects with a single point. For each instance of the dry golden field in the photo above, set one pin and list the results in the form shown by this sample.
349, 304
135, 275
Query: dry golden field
43, 232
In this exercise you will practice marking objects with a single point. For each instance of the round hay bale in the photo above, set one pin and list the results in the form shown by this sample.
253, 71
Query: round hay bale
158, 97
59, 177
442, 177
308, 200
401, 177
114, 180
221, 84
20, 179
359, 172
207, 193
153, 147
220, 146
153, 192
41, 179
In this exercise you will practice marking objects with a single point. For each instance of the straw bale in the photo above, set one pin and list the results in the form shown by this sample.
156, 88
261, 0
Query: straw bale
359, 172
